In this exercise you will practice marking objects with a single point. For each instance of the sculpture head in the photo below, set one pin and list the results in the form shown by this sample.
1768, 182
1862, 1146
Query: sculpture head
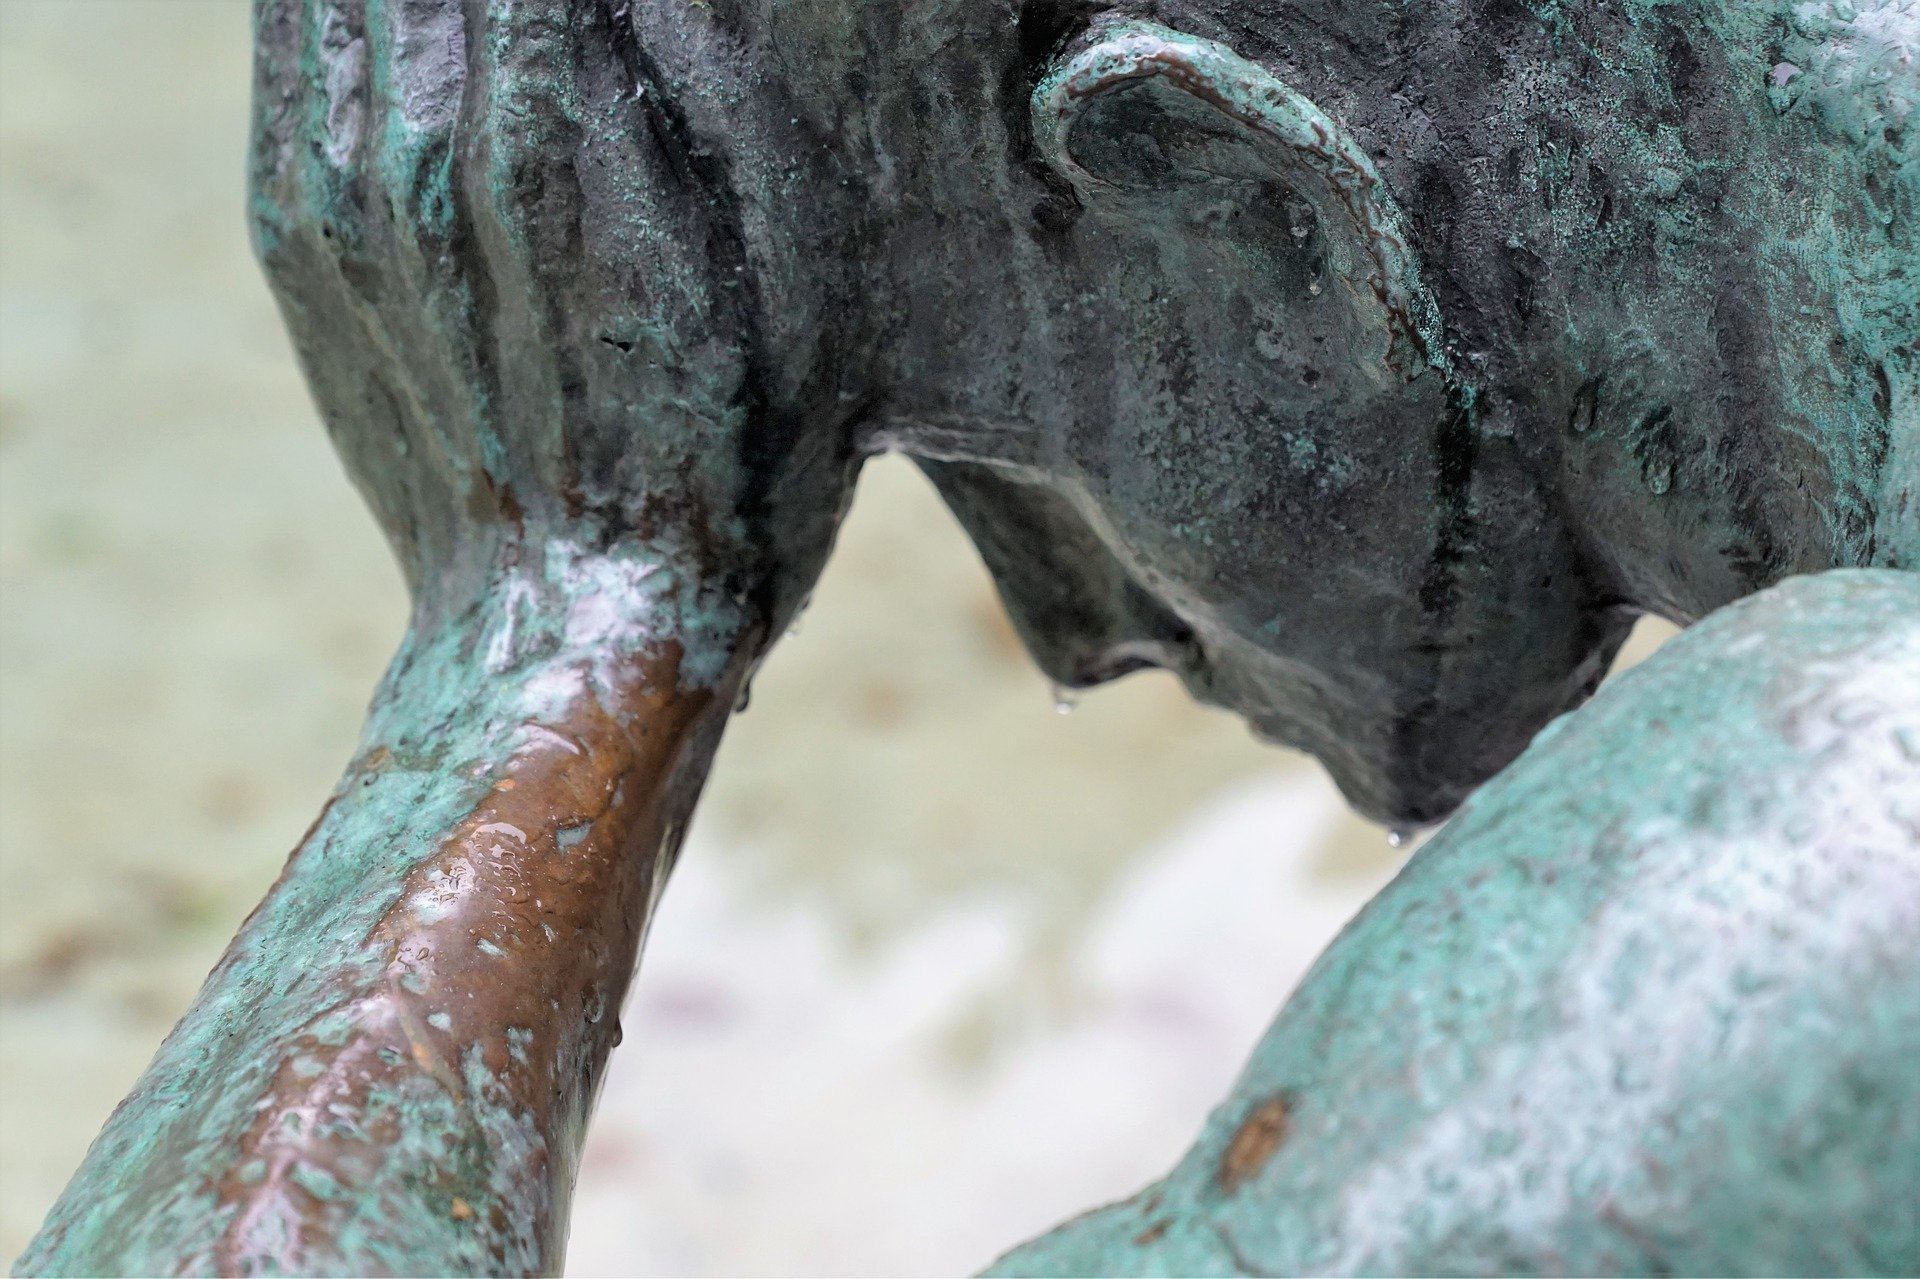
1261, 463
1377, 417
1367, 366
1377, 412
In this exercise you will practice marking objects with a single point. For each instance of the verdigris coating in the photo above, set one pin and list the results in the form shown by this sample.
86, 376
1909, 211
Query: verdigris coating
1370, 366
391, 1068
1650, 1003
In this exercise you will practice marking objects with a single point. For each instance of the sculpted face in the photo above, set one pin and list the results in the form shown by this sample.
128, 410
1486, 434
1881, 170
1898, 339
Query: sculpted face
1377, 414
1260, 467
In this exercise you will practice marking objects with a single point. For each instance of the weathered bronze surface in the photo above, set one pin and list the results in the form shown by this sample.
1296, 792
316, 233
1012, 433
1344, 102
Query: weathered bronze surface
510, 948
1370, 366
1646, 1005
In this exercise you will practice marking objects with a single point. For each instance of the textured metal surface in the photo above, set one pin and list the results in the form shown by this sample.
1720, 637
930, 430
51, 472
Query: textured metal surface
1643, 1007
392, 1067
1368, 366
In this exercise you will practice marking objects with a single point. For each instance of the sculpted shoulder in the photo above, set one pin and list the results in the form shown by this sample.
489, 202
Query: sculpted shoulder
1650, 1001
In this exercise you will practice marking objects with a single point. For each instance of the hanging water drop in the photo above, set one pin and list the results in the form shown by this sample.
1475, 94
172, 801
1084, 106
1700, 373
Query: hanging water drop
1313, 289
1063, 700
1397, 837
746, 697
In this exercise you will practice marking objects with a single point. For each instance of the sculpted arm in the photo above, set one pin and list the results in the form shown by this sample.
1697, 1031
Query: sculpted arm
391, 1068
514, 287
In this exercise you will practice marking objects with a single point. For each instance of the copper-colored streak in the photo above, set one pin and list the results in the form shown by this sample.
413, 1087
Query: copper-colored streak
499, 1007
1253, 1144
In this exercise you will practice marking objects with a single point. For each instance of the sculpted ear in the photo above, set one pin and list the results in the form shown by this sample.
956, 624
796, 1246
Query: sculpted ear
1140, 112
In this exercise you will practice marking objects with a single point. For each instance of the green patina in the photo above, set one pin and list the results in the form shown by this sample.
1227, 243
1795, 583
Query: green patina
1649, 1003
1368, 366
456, 704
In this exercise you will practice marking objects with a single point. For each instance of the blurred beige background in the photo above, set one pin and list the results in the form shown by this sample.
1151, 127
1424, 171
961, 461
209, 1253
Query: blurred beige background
940, 966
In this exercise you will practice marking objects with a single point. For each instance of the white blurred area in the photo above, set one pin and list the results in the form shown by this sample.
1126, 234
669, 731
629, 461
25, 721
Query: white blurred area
793, 1106
939, 966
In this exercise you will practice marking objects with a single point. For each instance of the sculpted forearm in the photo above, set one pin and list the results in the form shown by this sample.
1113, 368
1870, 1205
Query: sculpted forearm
391, 1068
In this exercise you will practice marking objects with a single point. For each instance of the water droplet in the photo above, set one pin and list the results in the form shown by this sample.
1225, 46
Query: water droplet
1299, 232
1063, 700
1313, 289
1397, 838
745, 699
1659, 479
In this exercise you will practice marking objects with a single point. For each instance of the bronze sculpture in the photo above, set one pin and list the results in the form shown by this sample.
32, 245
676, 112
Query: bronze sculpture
1370, 368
